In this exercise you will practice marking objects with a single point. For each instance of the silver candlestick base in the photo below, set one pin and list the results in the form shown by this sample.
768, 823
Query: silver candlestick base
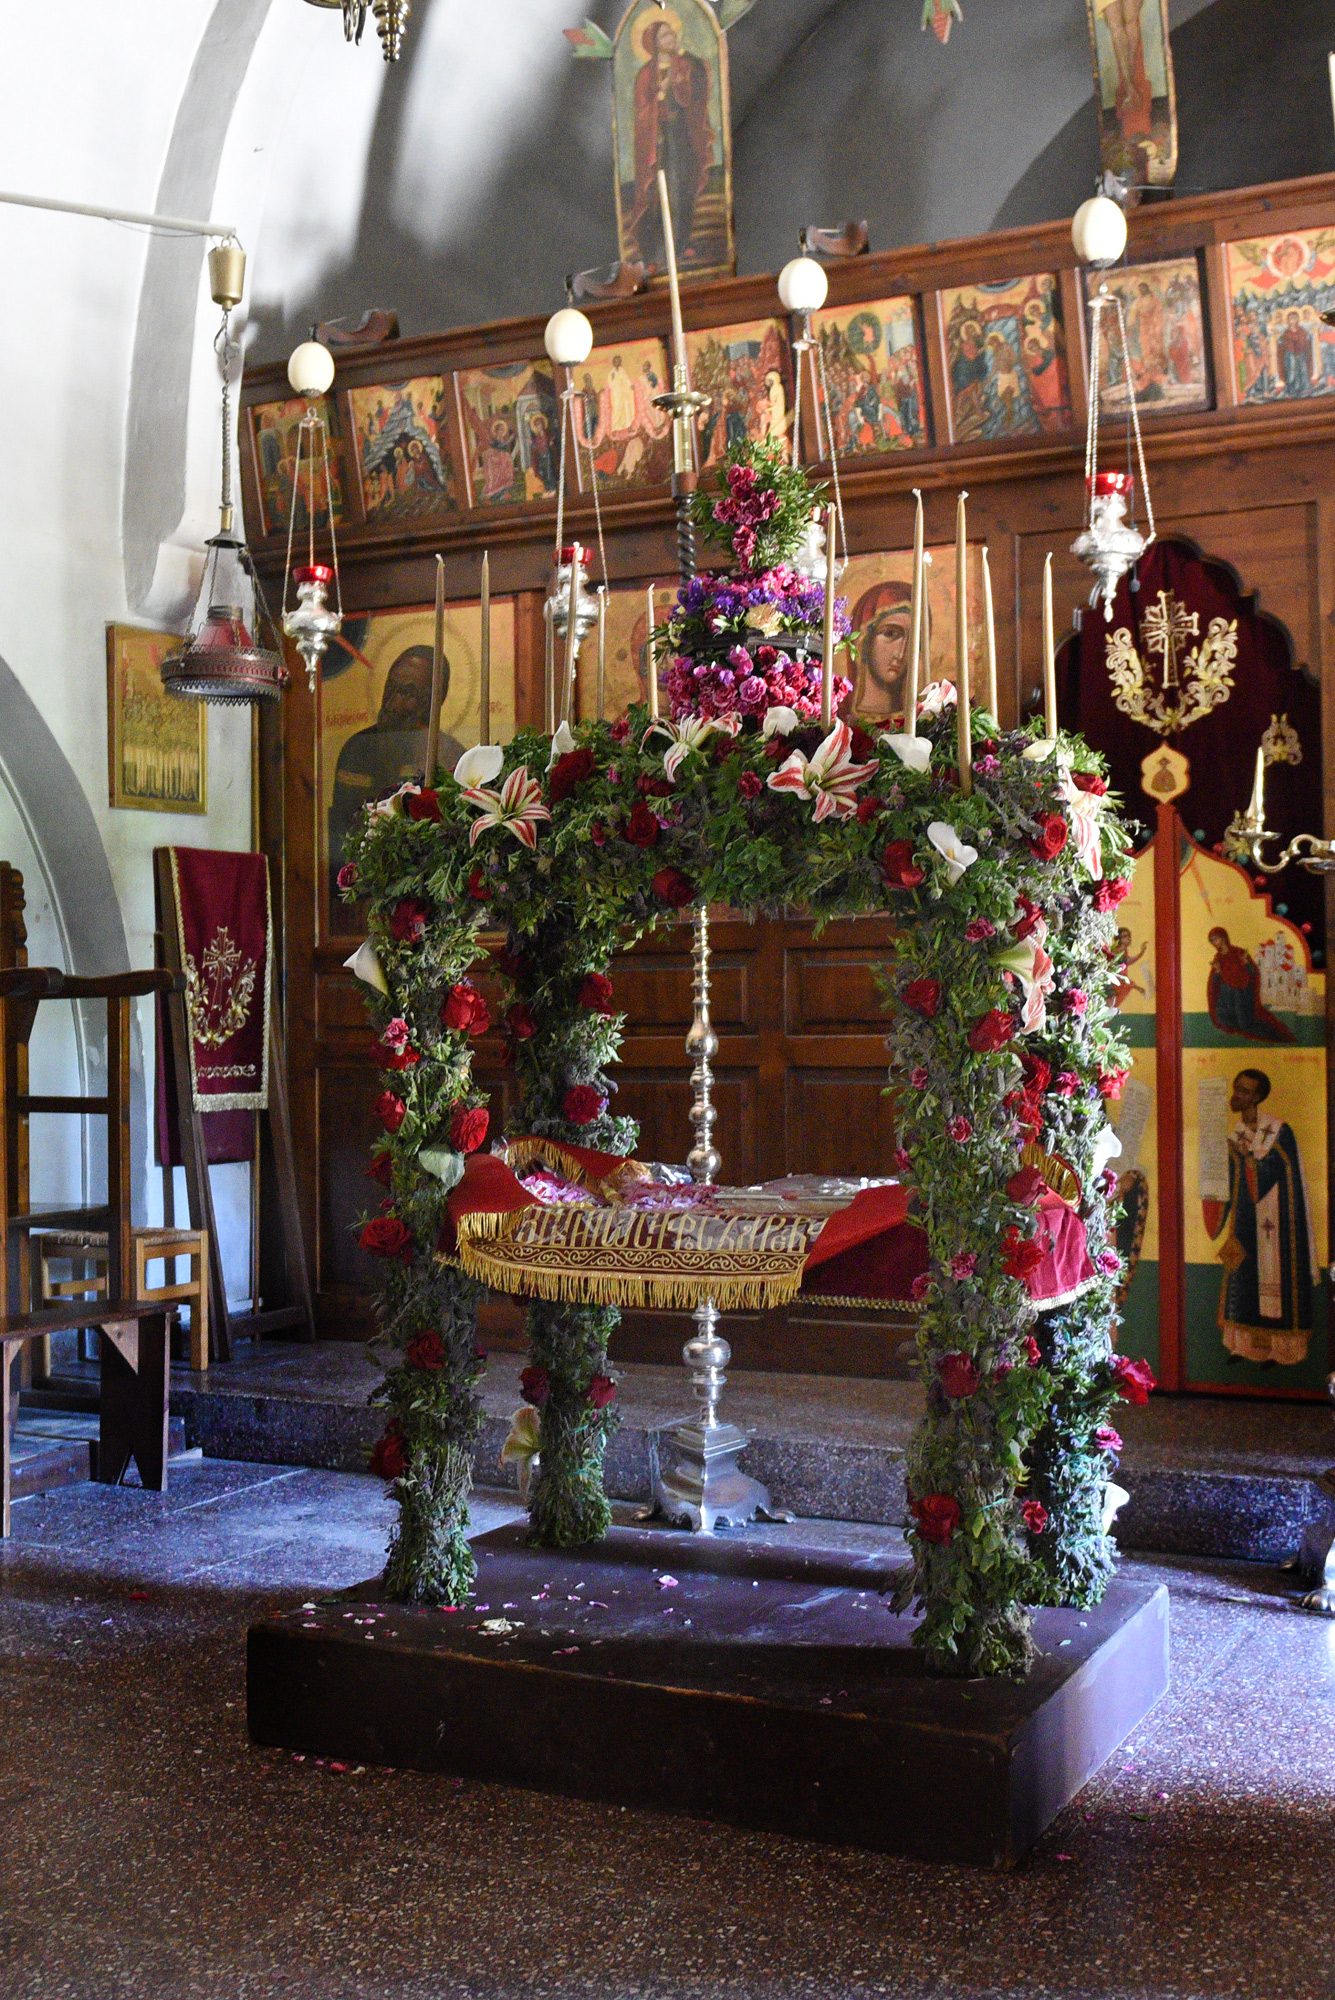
706, 1489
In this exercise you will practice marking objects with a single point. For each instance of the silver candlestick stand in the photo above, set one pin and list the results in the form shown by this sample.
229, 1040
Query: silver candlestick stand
705, 1489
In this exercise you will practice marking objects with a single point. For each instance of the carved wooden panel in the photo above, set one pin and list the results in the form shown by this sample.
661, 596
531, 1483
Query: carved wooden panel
838, 1121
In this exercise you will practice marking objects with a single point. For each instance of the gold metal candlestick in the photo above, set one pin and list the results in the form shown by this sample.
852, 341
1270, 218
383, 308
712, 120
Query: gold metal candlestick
1247, 833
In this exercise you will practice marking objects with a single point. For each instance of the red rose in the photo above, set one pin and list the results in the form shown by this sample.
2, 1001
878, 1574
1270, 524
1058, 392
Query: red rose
520, 1022
478, 887
468, 1127
1107, 1439
569, 771
390, 1110
1025, 1185
422, 805
923, 996
465, 1010
1049, 841
596, 993
899, 868
1089, 781
1110, 892
386, 1236
1133, 1379
750, 785
869, 809
601, 1391
408, 920
1019, 1255
991, 1031
960, 1129
347, 875
862, 747
389, 1456
425, 1350
673, 888
653, 788
642, 828
1033, 1353
959, 1374
1037, 1075
1030, 919
1112, 1082
582, 1104
1035, 1516
937, 1516
381, 1170
535, 1384
388, 1057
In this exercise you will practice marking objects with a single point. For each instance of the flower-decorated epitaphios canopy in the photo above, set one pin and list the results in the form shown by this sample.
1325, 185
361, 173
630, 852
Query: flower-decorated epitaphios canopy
1003, 1044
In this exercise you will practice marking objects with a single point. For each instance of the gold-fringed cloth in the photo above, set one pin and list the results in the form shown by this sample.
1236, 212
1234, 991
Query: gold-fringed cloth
564, 1223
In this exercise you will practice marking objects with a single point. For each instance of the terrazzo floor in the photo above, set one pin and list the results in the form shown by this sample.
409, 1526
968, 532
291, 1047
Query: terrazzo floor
150, 1853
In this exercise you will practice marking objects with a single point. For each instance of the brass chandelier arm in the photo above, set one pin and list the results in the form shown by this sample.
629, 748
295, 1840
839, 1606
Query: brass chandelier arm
1243, 841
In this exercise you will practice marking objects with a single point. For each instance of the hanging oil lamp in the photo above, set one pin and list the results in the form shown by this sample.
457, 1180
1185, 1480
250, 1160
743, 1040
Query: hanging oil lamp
221, 661
1110, 543
312, 622
391, 19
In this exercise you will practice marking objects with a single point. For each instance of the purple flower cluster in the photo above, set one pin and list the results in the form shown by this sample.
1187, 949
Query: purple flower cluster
721, 666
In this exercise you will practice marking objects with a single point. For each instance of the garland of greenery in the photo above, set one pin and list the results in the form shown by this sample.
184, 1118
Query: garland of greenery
1002, 1032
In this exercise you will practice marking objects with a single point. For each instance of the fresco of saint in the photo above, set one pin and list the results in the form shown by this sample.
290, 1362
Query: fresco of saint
670, 115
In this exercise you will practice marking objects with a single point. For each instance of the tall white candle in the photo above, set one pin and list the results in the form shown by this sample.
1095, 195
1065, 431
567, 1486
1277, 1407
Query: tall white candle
989, 638
962, 716
651, 663
1049, 655
915, 624
484, 660
602, 649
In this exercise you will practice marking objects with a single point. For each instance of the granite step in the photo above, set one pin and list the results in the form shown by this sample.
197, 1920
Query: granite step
1207, 1476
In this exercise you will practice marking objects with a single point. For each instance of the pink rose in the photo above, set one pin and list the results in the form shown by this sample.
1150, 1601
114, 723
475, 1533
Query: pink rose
963, 1265
919, 1076
960, 1129
1107, 1439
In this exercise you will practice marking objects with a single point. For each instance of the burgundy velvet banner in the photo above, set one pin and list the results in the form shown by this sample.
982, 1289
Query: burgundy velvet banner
225, 942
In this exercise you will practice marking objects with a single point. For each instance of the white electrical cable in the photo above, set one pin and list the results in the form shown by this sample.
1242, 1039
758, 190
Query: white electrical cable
180, 225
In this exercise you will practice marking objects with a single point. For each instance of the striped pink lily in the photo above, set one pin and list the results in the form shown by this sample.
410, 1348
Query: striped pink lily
830, 776
517, 807
691, 733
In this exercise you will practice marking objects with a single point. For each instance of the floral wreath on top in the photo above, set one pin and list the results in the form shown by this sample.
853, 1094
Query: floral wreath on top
1005, 1051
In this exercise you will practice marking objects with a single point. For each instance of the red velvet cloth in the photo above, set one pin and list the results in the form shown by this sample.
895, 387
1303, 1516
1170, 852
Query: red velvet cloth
224, 943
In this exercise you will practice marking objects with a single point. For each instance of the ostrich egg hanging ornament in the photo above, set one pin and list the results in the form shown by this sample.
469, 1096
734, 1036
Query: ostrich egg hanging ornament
312, 622
1111, 544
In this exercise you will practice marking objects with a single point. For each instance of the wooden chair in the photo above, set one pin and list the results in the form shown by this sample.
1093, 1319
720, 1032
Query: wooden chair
151, 1246
136, 1365
22, 990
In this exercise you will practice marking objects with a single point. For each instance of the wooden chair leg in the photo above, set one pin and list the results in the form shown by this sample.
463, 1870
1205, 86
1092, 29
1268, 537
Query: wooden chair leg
6, 1451
199, 1309
136, 1383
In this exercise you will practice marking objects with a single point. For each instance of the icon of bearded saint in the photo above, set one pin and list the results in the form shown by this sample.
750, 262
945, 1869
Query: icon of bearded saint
672, 132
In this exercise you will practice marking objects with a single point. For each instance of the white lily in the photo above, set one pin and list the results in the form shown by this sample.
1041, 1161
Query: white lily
392, 807
779, 721
829, 776
479, 766
915, 751
936, 696
1041, 747
364, 965
1083, 812
1106, 1147
956, 853
1031, 965
1115, 1498
691, 733
563, 743
521, 1446
443, 1164
517, 807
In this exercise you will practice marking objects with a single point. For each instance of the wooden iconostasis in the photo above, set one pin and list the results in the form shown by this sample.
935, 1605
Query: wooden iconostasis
947, 370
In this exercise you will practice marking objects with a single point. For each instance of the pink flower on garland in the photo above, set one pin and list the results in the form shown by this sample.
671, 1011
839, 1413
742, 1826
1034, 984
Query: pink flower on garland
979, 929
1035, 1516
1107, 1439
963, 1265
920, 1076
919, 1288
1108, 1262
1033, 1353
1133, 1379
960, 1129
347, 875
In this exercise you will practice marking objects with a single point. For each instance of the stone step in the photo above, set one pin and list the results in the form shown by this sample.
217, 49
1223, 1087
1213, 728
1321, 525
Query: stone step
1208, 1476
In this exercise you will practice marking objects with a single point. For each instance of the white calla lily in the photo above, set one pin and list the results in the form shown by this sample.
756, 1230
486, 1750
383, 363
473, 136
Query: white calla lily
364, 965
443, 1163
955, 852
1106, 1147
480, 765
914, 751
779, 721
563, 742
520, 1448
1115, 1498
1042, 747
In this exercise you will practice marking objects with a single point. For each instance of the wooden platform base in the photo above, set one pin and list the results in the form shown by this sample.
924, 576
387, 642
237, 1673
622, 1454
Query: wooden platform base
750, 1679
